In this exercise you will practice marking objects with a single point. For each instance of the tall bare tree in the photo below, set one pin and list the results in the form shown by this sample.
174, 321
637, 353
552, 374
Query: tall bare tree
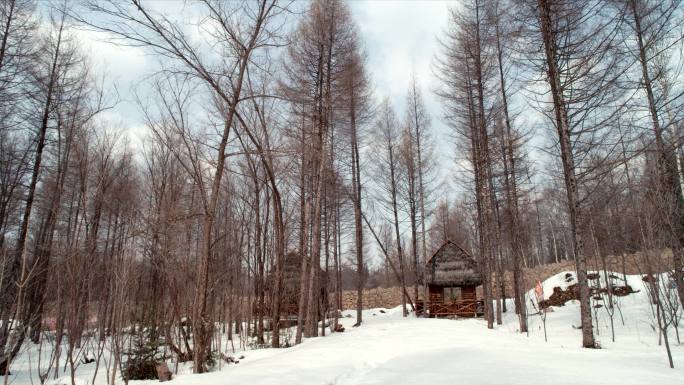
581, 71
653, 26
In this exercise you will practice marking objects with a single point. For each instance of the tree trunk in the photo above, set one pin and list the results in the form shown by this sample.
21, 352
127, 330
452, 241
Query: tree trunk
395, 213
670, 191
563, 129
510, 185
358, 229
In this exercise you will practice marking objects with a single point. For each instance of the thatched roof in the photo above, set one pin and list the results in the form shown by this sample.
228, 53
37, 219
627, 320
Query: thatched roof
292, 270
451, 265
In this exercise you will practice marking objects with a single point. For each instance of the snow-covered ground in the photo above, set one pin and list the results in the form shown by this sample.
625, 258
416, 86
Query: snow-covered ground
390, 349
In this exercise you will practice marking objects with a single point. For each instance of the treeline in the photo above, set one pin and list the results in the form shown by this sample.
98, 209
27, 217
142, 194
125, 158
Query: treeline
264, 140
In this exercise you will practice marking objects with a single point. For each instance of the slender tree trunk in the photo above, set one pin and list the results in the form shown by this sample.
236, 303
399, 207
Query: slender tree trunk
483, 159
303, 232
670, 190
6, 33
421, 197
563, 128
395, 213
323, 105
510, 185
202, 324
19, 272
358, 227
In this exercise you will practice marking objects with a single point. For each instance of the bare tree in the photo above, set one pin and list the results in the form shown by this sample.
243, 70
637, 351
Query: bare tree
509, 146
388, 165
653, 29
581, 72
420, 160
466, 71
241, 37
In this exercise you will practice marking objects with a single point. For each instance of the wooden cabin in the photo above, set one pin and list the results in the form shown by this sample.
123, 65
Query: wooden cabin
452, 277
290, 291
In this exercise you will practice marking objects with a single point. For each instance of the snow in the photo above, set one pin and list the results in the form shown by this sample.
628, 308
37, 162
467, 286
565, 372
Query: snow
390, 349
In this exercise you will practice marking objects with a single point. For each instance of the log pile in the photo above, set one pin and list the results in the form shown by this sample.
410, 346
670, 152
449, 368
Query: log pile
560, 297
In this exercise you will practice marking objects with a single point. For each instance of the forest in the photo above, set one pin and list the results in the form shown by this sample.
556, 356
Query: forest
268, 156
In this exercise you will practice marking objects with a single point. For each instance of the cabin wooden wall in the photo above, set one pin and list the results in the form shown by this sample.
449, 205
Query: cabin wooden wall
436, 293
468, 293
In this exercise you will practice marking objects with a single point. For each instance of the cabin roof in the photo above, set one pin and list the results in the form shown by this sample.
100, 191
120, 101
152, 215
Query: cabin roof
292, 270
451, 265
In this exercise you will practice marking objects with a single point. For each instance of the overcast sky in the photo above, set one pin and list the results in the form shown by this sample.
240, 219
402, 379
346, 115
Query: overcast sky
400, 38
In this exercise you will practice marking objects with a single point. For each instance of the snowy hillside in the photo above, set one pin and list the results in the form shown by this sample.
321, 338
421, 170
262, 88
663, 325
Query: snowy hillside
634, 317
390, 349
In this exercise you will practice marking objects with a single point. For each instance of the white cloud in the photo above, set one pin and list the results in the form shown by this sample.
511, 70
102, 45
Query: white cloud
120, 64
121, 68
400, 38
